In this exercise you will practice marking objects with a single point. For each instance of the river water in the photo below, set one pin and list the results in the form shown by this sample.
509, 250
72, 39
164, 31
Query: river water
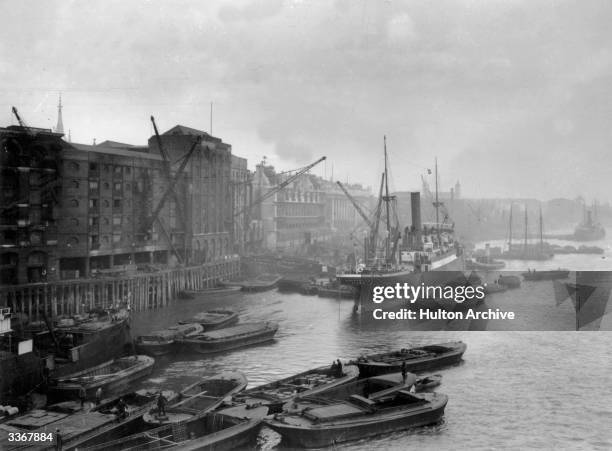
513, 390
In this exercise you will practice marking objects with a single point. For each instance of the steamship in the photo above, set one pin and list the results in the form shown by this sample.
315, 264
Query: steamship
426, 253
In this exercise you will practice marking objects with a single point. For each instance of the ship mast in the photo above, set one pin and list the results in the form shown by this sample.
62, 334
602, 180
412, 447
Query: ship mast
437, 206
525, 248
387, 199
541, 232
510, 238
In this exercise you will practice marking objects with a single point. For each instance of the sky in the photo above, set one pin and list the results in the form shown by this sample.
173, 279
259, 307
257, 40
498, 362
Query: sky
512, 97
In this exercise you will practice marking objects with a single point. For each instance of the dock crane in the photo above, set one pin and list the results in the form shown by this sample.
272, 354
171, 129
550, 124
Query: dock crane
22, 123
280, 186
172, 181
246, 210
356, 205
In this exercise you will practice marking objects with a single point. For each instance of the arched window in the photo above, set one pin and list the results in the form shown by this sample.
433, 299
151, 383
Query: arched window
74, 184
73, 166
74, 203
74, 222
73, 241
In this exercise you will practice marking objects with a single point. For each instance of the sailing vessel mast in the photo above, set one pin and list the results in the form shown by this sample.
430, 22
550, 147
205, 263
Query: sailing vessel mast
437, 206
541, 232
525, 247
510, 238
387, 200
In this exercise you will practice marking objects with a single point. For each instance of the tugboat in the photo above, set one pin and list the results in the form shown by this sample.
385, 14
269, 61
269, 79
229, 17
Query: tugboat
589, 230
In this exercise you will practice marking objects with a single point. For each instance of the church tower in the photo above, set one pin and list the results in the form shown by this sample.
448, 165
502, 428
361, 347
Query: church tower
457, 190
59, 128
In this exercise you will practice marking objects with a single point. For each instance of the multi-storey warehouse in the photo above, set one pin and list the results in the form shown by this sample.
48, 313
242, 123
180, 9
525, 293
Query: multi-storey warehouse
77, 211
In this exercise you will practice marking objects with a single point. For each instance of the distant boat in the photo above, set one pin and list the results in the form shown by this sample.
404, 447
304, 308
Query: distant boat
261, 283
162, 342
483, 264
199, 398
222, 430
589, 229
546, 274
214, 291
358, 410
528, 251
509, 281
231, 337
306, 383
213, 319
112, 376
420, 358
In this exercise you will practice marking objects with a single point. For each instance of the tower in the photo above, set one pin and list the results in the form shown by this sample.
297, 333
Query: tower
59, 128
457, 190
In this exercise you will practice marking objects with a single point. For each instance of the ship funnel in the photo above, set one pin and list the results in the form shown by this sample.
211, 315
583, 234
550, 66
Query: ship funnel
415, 208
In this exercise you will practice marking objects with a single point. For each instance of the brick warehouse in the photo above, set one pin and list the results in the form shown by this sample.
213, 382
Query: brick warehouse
77, 211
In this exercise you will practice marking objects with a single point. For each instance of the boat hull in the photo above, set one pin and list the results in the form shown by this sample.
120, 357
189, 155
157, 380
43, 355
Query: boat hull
70, 386
277, 393
228, 343
322, 435
376, 365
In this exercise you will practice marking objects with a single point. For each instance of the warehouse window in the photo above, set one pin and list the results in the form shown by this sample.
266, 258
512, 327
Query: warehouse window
117, 203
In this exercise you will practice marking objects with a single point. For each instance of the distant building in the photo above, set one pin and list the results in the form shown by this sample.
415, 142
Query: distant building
294, 217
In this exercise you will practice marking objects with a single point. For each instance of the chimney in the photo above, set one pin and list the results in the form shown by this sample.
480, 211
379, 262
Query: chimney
415, 208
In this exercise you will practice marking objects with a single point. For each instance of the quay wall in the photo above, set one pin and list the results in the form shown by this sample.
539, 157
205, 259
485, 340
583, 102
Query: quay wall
141, 291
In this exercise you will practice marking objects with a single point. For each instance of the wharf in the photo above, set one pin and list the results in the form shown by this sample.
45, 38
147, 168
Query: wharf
141, 291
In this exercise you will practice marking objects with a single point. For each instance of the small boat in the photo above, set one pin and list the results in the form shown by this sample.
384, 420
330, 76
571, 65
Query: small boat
293, 284
213, 319
369, 407
231, 337
261, 283
307, 383
214, 291
546, 274
222, 430
484, 264
199, 398
428, 382
509, 281
161, 342
112, 376
494, 288
420, 358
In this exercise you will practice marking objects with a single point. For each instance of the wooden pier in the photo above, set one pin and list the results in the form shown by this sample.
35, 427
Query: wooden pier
141, 291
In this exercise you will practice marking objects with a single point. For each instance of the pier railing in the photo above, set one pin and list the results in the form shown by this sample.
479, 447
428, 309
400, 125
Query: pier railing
141, 291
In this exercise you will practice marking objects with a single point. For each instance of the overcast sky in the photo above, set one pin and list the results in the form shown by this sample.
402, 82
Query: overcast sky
513, 97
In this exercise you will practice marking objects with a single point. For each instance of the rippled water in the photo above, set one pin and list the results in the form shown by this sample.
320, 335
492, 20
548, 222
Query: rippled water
517, 390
